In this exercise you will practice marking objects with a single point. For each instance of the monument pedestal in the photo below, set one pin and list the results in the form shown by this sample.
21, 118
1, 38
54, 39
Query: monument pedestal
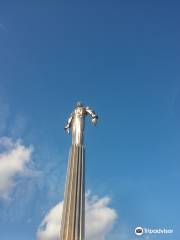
72, 225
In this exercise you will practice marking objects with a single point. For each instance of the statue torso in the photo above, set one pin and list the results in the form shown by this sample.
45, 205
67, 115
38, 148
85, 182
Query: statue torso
78, 122
80, 112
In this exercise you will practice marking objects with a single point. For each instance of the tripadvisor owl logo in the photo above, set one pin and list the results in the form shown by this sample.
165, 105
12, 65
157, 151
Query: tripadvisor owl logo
139, 231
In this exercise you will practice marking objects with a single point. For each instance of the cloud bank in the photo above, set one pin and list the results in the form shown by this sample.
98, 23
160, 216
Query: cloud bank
99, 220
99, 217
14, 158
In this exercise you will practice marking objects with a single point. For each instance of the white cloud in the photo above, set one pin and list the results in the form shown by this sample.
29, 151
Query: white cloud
49, 228
14, 157
99, 220
99, 217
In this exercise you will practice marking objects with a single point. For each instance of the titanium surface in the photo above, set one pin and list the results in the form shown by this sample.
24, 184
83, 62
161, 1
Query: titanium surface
73, 218
76, 121
72, 225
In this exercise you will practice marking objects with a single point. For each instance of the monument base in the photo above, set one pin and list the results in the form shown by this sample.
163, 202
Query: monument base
72, 225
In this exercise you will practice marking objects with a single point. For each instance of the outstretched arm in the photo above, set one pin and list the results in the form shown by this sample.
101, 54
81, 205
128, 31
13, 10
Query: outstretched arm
68, 125
93, 115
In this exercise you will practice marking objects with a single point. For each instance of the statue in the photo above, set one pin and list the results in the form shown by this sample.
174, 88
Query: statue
76, 121
73, 217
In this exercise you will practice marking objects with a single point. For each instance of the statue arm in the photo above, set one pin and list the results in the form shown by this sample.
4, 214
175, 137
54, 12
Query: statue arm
69, 122
93, 115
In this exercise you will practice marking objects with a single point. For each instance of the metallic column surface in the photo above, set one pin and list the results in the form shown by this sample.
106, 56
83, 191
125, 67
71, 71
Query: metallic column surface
73, 218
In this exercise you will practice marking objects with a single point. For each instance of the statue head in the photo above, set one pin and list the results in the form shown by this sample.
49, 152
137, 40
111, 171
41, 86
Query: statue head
79, 104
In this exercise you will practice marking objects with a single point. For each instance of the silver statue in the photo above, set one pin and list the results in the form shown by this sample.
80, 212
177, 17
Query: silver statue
73, 217
76, 122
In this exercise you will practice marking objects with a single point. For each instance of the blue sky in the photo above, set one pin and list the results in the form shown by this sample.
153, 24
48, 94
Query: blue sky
120, 58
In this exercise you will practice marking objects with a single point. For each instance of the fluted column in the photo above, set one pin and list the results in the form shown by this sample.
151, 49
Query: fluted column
73, 218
